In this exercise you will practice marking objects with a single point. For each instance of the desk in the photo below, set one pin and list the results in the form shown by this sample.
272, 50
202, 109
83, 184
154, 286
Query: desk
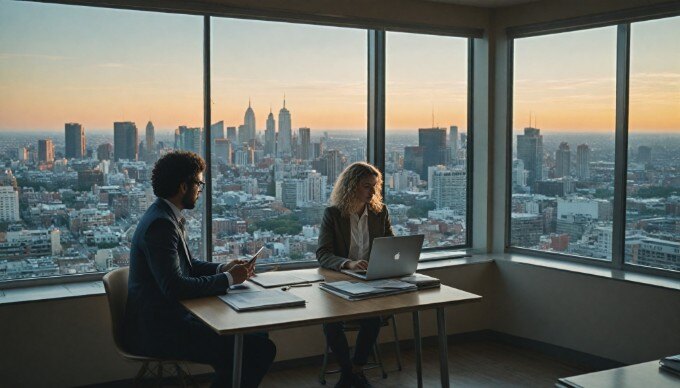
640, 375
323, 307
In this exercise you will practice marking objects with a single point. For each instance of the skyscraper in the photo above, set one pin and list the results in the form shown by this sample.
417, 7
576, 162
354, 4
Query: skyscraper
231, 134
74, 135
285, 134
270, 135
563, 160
530, 151
453, 143
150, 138
583, 162
45, 150
217, 131
449, 189
413, 159
249, 124
9, 204
433, 141
125, 145
189, 139
223, 151
305, 143
104, 151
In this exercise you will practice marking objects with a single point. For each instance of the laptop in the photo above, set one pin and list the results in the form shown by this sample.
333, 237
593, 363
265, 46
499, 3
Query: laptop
391, 257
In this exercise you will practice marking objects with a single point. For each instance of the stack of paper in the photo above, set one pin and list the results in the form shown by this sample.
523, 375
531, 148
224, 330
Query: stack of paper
421, 281
259, 300
365, 290
278, 279
671, 364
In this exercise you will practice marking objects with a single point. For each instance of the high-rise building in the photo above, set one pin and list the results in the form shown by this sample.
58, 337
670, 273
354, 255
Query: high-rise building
413, 159
223, 151
449, 189
583, 162
563, 160
231, 134
217, 131
249, 124
270, 135
333, 165
644, 154
189, 139
45, 150
9, 204
530, 151
317, 149
125, 145
150, 138
433, 142
305, 143
285, 135
519, 174
453, 143
74, 135
104, 151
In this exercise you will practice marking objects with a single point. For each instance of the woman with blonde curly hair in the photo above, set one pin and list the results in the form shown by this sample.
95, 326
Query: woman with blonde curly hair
355, 217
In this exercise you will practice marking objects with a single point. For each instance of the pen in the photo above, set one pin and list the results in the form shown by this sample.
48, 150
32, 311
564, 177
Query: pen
286, 288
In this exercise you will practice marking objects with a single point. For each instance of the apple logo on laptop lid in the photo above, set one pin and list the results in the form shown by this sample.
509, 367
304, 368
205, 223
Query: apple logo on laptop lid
396, 257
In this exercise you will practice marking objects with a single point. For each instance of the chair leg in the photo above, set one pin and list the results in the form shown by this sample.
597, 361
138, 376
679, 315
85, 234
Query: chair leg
378, 360
396, 341
141, 373
324, 366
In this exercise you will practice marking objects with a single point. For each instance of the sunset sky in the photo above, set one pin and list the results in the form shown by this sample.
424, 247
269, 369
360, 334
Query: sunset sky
95, 66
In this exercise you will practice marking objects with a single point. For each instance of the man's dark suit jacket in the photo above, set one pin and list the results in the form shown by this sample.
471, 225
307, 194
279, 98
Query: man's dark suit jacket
162, 272
335, 235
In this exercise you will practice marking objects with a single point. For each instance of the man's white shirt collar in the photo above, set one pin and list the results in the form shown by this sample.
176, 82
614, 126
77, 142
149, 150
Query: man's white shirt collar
175, 210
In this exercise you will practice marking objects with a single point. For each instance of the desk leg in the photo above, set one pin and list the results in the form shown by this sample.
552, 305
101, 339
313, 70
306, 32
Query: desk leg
238, 360
443, 348
419, 348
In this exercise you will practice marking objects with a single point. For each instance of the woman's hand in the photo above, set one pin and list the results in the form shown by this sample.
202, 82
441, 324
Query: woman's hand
357, 265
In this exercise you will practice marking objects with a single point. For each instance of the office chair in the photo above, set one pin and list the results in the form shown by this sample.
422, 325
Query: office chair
116, 286
377, 359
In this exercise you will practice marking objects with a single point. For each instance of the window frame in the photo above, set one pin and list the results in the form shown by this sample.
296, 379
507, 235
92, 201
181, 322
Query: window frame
375, 29
622, 20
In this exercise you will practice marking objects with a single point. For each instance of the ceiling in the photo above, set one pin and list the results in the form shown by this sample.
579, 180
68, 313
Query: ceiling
486, 3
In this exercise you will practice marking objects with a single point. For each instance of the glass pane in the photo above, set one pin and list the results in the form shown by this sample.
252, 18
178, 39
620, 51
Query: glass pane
563, 143
426, 137
653, 189
289, 106
71, 191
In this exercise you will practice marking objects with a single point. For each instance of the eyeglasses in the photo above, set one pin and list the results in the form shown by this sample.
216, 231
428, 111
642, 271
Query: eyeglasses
200, 184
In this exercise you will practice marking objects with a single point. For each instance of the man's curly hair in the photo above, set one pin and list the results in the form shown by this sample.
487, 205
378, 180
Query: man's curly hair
172, 170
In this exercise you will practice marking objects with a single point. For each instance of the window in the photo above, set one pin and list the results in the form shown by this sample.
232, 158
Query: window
289, 106
426, 163
90, 98
563, 143
653, 187
617, 89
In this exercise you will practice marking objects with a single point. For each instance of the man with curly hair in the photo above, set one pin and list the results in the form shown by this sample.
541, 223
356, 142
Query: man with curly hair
163, 271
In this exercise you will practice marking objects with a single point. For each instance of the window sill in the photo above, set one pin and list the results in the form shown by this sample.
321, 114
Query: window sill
591, 270
438, 259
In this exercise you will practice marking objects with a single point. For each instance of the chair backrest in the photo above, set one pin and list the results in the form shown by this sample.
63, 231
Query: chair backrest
116, 286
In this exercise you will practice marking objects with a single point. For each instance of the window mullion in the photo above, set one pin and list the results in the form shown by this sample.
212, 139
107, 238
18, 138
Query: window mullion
621, 144
207, 195
376, 99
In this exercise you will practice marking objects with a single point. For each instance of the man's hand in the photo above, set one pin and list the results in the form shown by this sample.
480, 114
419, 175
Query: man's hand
357, 265
240, 273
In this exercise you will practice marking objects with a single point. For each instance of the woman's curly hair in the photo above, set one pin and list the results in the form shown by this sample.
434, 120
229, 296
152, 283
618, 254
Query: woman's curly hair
174, 169
344, 192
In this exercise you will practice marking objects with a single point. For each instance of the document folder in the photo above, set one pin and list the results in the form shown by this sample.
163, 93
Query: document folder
259, 300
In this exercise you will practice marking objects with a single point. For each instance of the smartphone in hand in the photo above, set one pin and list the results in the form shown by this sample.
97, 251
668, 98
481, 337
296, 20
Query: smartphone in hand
251, 262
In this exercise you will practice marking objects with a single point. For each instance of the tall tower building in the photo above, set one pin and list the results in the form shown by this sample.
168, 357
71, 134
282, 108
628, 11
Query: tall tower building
223, 151
530, 151
563, 160
45, 150
453, 143
217, 131
270, 135
9, 204
150, 138
305, 143
249, 124
74, 135
105, 151
285, 134
583, 162
433, 141
188, 139
231, 134
449, 189
125, 145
